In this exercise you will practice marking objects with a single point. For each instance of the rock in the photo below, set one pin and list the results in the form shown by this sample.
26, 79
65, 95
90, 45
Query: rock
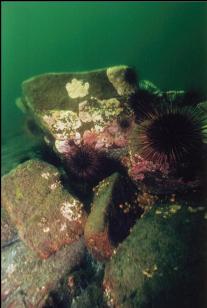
162, 263
85, 107
114, 211
8, 230
27, 280
45, 214
88, 284
96, 230
81, 287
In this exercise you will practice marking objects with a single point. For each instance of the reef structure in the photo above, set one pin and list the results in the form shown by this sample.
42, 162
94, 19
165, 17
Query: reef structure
119, 181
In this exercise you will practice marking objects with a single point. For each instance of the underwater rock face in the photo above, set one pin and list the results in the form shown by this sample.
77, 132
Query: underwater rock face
114, 211
45, 214
83, 107
27, 280
162, 263
103, 109
8, 230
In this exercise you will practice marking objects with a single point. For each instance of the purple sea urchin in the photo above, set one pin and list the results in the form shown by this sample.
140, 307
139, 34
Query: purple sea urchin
83, 162
87, 164
172, 135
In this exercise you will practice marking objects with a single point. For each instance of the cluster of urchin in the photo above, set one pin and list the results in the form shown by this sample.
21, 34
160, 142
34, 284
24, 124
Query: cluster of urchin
167, 132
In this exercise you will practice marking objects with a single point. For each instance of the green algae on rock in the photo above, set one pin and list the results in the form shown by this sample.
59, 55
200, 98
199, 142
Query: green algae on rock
45, 214
114, 211
27, 280
96, 228
162, 262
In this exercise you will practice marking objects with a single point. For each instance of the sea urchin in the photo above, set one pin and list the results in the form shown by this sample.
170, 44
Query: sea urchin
172, 135
83, 162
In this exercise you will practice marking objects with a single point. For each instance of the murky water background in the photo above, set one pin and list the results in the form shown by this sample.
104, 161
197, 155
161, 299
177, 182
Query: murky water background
165, 42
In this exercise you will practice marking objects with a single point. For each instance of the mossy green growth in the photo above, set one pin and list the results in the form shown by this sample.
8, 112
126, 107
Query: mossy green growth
97, 219
162, 263
92, 296
114, 211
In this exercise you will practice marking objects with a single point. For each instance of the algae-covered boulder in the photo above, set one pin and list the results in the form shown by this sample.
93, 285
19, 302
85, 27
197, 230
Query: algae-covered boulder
163, 261
46, 215
114, 211
27, 281
89, 107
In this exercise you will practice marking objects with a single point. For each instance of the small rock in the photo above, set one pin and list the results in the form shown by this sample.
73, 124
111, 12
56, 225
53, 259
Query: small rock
114, 211
45, 214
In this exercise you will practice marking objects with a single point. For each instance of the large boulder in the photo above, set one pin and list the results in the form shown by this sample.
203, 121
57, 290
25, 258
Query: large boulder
46, 215
88, 107
162, 263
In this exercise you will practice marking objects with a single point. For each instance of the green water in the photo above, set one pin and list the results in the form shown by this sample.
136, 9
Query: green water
165, 42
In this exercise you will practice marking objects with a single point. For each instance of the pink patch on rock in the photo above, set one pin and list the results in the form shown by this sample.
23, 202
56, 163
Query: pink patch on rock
138, 167
89, 137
